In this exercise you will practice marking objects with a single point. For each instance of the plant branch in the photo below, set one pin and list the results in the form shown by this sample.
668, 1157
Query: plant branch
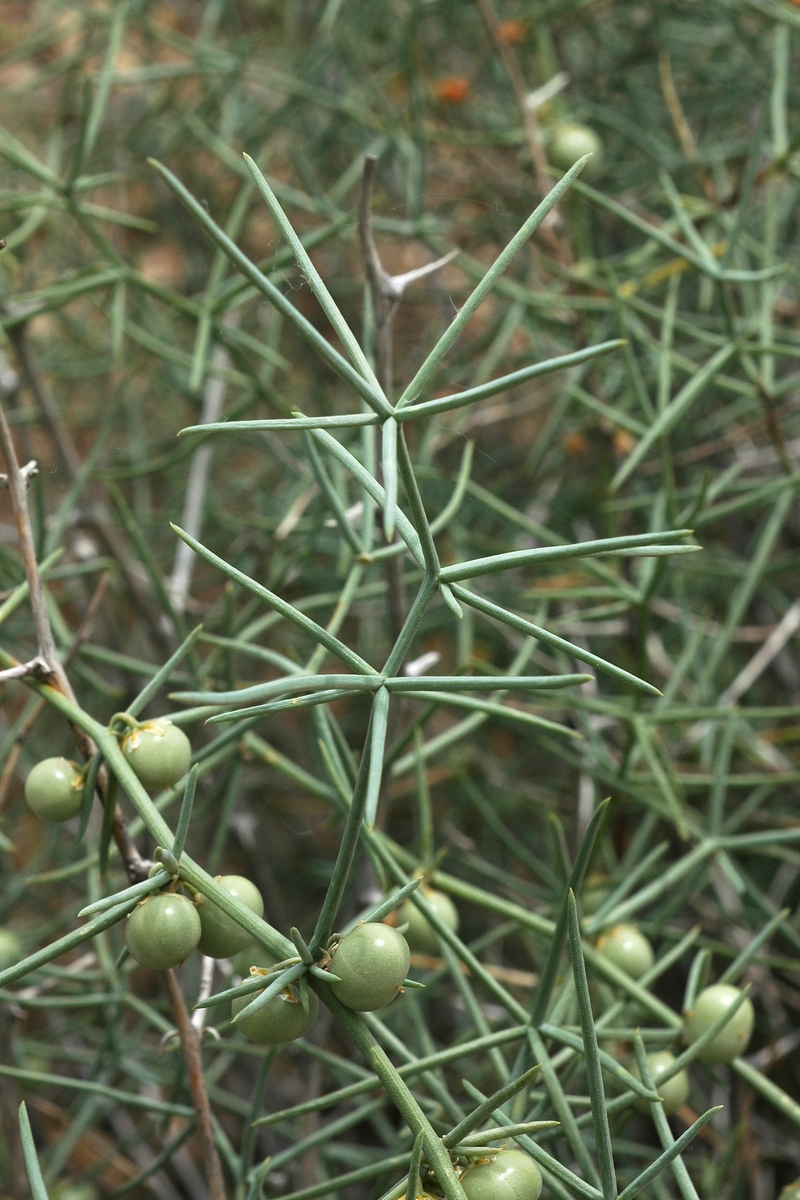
552, 225
190, 1046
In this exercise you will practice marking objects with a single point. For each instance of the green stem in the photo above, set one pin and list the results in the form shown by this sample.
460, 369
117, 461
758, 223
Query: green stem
435, 1154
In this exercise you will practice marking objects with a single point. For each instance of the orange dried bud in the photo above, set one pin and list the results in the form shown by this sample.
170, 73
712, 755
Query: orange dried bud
511, 33
623, 441
454, 89
576, 445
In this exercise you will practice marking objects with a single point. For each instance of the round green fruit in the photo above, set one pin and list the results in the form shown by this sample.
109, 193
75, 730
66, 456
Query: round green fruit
372, 962
791, 1191
159, 752
163, 930
674, 1092
280, 1020
221, 937
54, 790
420, 935
76, 1191
570, 141
10, 949
595, 891
627, 949
732, 1039
253, 955
511, 1175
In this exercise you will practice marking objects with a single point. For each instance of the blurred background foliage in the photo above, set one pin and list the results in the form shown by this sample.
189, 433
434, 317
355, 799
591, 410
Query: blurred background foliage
121, 325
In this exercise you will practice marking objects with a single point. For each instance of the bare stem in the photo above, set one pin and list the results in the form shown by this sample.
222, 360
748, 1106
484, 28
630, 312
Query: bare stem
551, 226
52, 668
190, 1046
17, 488
682, 127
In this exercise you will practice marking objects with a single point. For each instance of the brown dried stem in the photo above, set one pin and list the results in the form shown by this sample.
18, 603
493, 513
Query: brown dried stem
552, 226
18, 492
682, 127
190, 1045
136, 867
48, 664
95, 513
84, 632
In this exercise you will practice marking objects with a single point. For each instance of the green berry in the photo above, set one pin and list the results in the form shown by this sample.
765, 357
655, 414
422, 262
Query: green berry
280, 1020
791, 1191
54, 790
372, 962
674, 1092
510, 1175
627, 949
159, 752
221, 936
732, 1039
10, 949
253, 955
76, 1191
420, 935
570, 141
595, 891
163, 930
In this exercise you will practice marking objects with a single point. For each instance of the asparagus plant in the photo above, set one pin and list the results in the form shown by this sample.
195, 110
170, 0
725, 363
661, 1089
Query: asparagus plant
560, 1077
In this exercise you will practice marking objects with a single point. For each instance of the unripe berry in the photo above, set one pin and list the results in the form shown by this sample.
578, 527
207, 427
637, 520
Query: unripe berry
674, 1092
54, 790
163, 930
159, 752
280, 1020
10, 949
253, 955
420, 935
732, 1039
221, 937
595, 891
627, 949
510, 1175
372, 962
75, 1191
570, 141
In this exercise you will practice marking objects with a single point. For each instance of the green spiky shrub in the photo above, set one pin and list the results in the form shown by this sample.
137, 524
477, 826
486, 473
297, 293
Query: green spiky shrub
380, 771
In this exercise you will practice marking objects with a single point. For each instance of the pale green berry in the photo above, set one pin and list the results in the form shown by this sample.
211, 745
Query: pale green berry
372, 962
569, 141
595, 891
159, 752
420, 934
54, 790
163, 930
674, 1092
627, 948
732, 1039
253, 955
10, 949
76, 1191
221, 937
280, 1020
510, 1175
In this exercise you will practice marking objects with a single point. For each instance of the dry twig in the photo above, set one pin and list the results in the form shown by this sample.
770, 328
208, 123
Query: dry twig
190, 1046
